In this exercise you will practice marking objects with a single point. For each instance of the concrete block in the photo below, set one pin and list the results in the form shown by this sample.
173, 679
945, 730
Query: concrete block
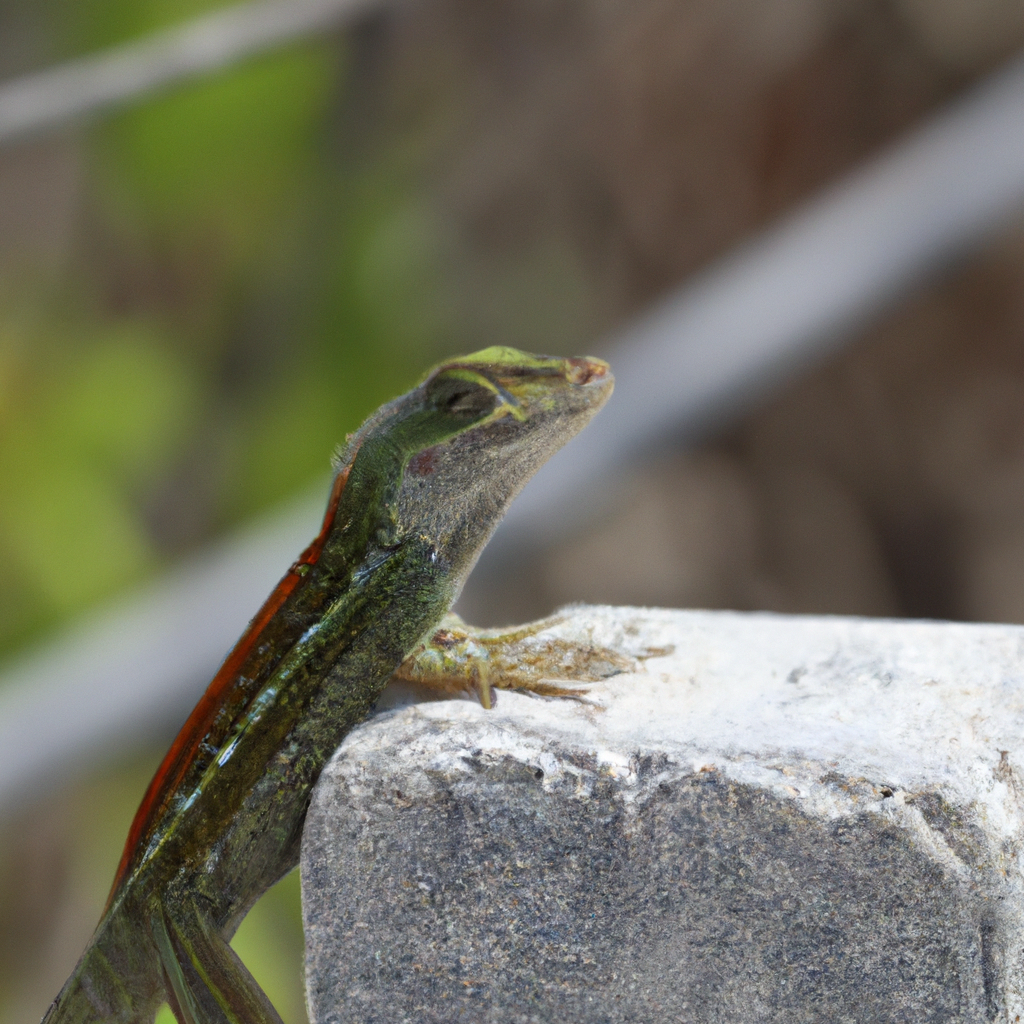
776, 819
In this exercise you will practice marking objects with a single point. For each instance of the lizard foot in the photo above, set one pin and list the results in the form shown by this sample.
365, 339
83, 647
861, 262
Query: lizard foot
456, 658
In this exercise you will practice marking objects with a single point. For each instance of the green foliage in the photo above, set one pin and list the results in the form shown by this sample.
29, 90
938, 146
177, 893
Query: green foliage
121, 402
86, 427
375, 324
208, 171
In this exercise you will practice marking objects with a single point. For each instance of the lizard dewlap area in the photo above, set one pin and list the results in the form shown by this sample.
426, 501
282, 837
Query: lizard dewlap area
418, 491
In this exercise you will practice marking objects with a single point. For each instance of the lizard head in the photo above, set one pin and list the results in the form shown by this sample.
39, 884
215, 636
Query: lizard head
548, 394
443, 462
515, 410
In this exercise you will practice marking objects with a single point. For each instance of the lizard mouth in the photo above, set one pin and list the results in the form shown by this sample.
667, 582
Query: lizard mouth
585, 370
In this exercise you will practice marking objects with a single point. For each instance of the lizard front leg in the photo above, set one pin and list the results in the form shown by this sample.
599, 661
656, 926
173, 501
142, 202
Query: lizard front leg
456, 658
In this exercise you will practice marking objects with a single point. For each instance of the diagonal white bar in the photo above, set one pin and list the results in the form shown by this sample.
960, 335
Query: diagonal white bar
44, 100
793, 294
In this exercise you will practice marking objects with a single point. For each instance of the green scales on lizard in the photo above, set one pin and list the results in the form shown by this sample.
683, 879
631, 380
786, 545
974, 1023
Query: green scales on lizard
417, 493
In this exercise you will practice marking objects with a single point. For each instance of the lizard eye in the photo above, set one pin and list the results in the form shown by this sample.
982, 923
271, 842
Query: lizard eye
462, 398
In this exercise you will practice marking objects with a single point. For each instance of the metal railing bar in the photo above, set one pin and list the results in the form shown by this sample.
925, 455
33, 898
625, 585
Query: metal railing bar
790, 296
44, 100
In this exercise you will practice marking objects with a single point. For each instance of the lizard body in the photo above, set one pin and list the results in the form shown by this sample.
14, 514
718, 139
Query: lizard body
418, 492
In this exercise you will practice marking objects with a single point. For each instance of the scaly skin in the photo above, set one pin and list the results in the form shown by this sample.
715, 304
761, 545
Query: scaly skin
418, 492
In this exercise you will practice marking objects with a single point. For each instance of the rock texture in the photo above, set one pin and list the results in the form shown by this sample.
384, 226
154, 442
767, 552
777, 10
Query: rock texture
773, 819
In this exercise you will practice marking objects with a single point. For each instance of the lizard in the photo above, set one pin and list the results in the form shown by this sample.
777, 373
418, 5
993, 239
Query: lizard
417, 492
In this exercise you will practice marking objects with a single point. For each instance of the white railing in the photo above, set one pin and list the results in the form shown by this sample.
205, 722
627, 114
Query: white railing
88, 86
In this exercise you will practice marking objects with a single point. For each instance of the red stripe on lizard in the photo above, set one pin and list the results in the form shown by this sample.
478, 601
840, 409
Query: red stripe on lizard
183, 750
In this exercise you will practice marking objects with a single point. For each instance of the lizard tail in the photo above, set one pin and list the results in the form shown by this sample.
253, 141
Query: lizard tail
117, 980
127, 971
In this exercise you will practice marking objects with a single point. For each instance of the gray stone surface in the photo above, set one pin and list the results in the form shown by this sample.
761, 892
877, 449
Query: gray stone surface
783, 819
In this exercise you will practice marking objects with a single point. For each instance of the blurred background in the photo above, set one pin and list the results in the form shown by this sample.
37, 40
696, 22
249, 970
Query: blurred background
204, 288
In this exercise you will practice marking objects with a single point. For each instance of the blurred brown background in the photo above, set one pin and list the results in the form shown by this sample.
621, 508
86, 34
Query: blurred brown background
199, 296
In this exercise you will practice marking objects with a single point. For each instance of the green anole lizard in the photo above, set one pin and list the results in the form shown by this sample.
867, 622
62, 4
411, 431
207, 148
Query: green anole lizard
417, 493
